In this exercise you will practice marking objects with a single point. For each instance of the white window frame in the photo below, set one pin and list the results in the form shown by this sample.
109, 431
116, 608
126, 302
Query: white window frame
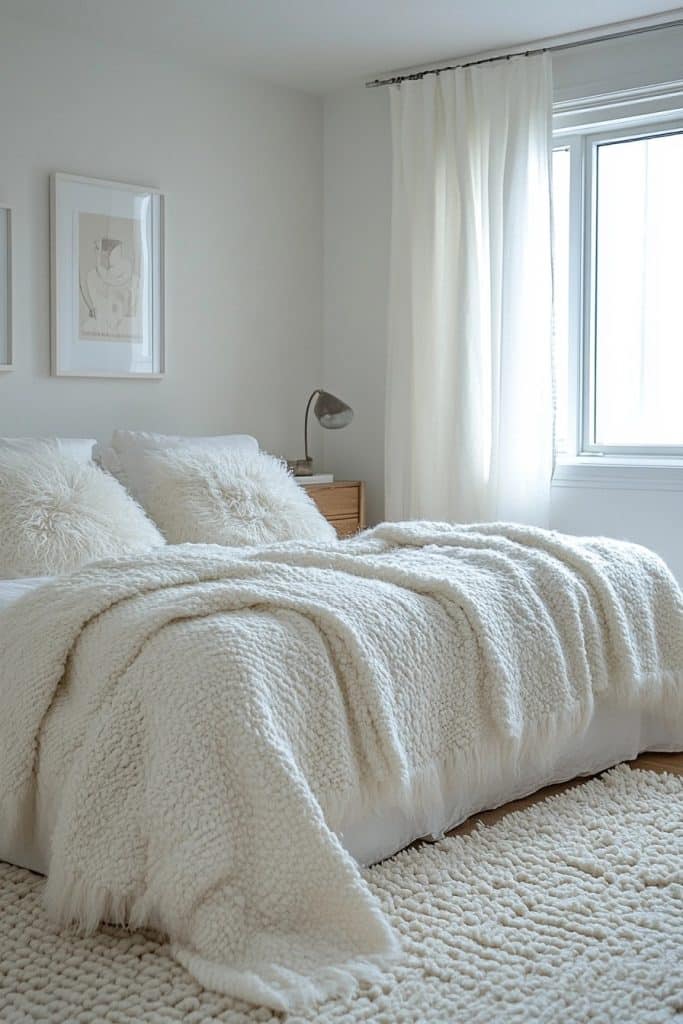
581, 126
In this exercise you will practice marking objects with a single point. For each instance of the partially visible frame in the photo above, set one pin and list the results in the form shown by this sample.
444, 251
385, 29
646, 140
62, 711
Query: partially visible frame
107, 247
5, 288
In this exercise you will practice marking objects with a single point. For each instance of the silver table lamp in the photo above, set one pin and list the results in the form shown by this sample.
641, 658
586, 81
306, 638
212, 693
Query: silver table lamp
331, 413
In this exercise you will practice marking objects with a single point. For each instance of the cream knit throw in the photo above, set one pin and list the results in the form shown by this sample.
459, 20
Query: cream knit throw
211, 713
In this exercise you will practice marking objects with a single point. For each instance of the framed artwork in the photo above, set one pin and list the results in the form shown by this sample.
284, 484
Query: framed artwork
107, 279
5, 288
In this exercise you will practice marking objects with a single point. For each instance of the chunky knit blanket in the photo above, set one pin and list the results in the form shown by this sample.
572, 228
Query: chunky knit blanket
211, 713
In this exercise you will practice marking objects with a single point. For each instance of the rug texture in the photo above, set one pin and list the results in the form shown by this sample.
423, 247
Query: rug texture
569, 911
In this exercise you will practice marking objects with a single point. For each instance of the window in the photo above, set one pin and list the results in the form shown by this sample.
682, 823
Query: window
618, 272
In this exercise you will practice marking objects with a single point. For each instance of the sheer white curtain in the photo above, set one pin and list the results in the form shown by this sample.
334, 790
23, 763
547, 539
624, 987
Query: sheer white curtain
469, 384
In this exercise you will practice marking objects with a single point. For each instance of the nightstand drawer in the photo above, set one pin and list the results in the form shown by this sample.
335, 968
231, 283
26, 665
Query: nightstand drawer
342, 503
336, 500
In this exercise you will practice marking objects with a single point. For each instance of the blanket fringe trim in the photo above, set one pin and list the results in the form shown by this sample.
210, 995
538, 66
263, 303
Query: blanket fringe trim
76, 903
82, 905
290, 991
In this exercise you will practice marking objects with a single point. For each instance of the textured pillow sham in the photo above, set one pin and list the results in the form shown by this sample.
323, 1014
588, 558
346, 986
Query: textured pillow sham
57, 514
228, 497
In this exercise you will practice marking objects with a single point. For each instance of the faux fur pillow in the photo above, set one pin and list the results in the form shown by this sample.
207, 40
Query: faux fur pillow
57, 514
228, 497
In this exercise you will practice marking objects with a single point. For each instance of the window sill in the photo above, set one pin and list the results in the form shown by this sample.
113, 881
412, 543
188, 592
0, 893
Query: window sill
625, 474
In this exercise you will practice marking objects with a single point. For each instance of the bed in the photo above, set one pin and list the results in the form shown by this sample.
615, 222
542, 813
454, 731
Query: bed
212, 739
613, 734
205, 738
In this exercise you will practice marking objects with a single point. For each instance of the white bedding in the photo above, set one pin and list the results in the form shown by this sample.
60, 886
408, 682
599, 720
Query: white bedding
613, 734
210, 715
12, 590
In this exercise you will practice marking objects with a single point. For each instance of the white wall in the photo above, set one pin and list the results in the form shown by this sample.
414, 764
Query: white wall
634, 62
241, 166
357, 197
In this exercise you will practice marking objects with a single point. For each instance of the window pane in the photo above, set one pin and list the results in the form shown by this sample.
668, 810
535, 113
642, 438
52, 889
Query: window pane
639, 292
561, 163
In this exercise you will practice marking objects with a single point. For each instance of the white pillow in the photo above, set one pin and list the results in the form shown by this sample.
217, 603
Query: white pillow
79, 448
229, 497
57, 514
126, 440
124, 459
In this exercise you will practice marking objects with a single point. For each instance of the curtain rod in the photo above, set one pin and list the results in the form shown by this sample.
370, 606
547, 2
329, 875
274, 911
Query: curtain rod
397, 79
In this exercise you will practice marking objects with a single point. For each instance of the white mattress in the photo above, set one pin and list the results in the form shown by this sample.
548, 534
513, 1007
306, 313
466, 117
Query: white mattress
613, 735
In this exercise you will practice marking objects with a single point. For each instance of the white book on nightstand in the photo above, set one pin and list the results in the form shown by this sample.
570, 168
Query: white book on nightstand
317, 478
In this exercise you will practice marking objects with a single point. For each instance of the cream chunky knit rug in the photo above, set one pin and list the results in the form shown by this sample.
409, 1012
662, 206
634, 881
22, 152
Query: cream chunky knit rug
208, 715
566, 912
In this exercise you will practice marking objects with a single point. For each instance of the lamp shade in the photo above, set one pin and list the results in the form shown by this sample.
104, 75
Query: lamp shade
331, 412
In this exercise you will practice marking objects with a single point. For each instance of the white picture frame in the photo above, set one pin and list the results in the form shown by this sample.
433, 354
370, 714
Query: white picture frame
107, 279
6, 362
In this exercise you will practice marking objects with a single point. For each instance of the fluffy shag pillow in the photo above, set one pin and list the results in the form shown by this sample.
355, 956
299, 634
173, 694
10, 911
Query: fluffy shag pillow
57, 514
228, 497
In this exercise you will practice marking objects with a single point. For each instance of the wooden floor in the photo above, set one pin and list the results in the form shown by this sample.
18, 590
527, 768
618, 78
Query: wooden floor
650, 762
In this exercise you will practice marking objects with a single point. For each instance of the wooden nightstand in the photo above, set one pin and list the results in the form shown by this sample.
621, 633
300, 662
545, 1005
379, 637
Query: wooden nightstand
342, 503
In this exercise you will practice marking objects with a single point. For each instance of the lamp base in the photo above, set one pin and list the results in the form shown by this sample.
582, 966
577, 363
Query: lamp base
300, 467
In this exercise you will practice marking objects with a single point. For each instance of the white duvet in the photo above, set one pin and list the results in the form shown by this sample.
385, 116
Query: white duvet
12, 590
210, 716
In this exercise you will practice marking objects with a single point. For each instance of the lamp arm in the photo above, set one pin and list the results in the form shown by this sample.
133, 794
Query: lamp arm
308, 406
